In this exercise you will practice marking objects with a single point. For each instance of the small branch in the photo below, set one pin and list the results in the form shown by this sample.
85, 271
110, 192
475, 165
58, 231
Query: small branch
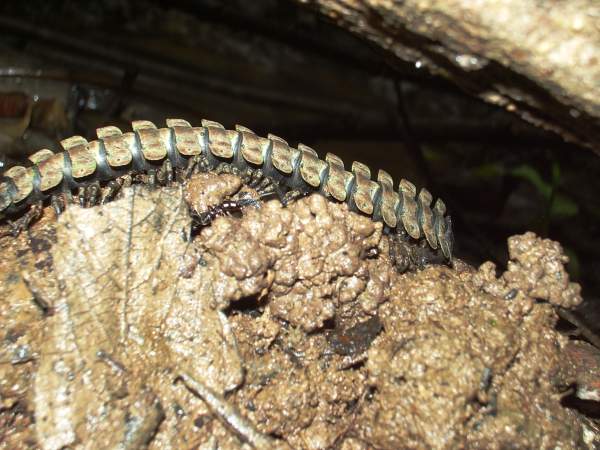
585, 331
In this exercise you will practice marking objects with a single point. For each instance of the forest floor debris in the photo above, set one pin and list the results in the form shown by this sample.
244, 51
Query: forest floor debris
285, 327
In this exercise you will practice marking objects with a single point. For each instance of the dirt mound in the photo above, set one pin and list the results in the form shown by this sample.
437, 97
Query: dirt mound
280, 327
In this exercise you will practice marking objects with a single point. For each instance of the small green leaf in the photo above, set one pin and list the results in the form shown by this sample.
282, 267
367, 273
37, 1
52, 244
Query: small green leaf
533, 176
563, 206
488, 171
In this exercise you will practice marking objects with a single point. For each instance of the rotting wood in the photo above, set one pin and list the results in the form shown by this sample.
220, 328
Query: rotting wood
537, 59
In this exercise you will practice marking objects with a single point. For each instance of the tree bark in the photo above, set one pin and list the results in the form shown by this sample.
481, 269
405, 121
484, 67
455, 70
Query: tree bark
539, 59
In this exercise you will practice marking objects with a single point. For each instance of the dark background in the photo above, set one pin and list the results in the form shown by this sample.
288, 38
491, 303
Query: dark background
68, 67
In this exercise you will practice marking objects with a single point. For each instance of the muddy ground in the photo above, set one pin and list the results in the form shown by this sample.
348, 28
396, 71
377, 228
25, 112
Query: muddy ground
275, 328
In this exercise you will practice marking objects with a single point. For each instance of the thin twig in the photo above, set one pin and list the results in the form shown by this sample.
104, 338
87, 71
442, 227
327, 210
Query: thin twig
585, 331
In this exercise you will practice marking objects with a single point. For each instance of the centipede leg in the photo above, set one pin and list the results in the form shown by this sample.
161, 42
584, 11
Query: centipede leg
398, 255
256, 179
150, 179
226, 168
34, 213
179, 174
291, 196
189, 170
81, 195
221, 168
407, 253
23, 222
266, 188
67, 196
112, 188
92, 194
203, 165
196, 164
126, 180
58, 204
246, 176
164, 175
268, 191
265, 183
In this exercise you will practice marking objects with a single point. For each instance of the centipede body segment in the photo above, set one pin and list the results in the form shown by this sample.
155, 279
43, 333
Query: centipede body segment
146, 148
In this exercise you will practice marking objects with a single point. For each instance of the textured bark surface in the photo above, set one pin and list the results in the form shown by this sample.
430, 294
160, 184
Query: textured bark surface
539, 59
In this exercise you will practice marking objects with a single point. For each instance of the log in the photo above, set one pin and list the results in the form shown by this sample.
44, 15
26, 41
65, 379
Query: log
539, 59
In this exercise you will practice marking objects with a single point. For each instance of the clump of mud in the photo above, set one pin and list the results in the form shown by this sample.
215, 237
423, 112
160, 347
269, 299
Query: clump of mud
273, 328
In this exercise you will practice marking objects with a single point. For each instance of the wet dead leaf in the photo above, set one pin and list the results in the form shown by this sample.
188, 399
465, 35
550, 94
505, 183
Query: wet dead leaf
126, 323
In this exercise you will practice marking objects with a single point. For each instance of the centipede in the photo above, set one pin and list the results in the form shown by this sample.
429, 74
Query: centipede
147, 149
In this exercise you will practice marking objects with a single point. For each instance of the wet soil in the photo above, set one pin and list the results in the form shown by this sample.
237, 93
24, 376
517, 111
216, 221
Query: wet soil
274, 328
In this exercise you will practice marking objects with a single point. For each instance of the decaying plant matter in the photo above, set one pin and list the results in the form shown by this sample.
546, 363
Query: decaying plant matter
272, 327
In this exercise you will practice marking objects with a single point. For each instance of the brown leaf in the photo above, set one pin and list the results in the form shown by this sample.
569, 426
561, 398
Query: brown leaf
127, 323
